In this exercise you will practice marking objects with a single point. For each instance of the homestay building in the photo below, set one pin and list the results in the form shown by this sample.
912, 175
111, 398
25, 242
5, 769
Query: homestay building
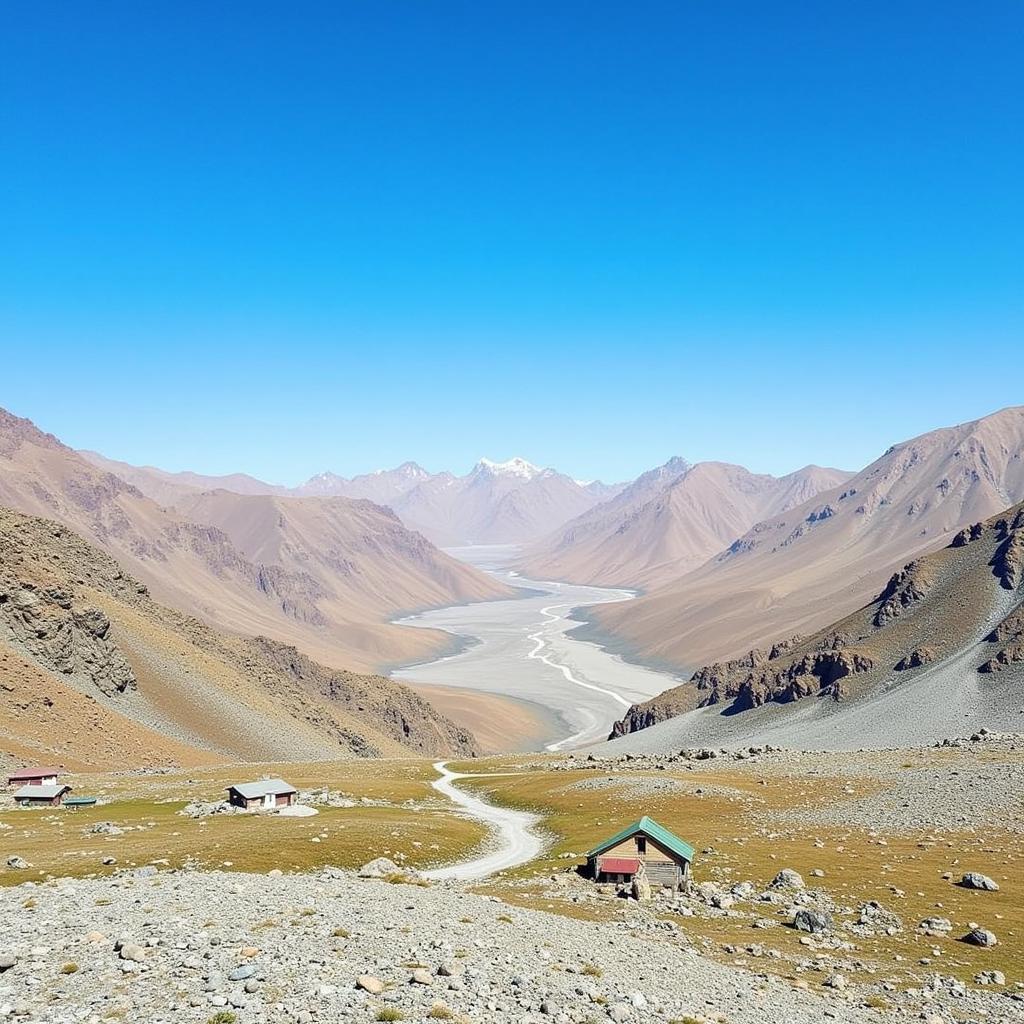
265, 794
41, 795
33, 777
643, 848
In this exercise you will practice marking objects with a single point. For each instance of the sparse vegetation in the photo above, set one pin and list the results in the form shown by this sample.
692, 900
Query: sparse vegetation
389, 1013
591, 970
341, 933
440, 1012
223, 1017
69, 968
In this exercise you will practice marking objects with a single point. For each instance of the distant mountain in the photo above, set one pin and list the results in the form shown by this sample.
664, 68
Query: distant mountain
939, 651
796, 570
382, 486
97, 673
167, 488
326, 575
668, 521
495, 503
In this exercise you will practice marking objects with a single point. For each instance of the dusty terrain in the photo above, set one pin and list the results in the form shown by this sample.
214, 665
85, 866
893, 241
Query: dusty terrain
95, 672
943, 642
327, 575
202, 898
797, 571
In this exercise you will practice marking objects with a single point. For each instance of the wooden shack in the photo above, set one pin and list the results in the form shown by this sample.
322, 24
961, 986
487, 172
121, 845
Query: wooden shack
33, 777
643, 847
265, 794
39, 795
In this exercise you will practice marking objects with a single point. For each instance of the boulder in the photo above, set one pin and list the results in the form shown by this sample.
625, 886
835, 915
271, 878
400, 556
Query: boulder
640, 888
16, 863
976, 880
380, 867
787, 878
980, 937
814, 921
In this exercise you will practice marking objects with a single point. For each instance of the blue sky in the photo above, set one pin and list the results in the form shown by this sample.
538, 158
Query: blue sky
281, 238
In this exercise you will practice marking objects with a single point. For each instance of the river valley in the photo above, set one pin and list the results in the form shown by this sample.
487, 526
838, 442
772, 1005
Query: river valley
522, 648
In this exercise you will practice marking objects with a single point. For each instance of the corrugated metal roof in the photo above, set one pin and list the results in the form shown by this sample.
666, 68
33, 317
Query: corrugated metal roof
648, 827
40, 792
265, 787
619, 865
32, 773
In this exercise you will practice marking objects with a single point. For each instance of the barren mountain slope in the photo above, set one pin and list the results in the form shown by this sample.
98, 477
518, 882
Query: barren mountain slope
96, 672
808, 566
167, 488
194, 565
946, 634
669, 521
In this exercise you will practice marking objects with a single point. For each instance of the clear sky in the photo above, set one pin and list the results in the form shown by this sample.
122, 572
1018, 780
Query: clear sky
281, 238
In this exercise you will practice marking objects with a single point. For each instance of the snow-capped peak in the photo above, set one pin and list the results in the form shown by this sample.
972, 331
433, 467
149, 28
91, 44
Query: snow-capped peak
514, 467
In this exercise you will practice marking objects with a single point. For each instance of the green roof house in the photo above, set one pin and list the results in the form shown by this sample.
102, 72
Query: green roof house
643, 847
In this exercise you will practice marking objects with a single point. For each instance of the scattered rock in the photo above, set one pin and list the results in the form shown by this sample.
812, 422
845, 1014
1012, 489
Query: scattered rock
976, 880
813, 921
787, 878
980, 937
368, 983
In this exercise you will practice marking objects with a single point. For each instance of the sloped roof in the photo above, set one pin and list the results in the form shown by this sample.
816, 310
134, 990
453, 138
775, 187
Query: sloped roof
265, 787
620, 865
32, 773
40, 792
650, 828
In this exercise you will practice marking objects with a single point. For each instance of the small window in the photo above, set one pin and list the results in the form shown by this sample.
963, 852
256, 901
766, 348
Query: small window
641, 844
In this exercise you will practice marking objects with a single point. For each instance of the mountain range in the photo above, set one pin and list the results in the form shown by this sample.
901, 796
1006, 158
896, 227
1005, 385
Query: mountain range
800, 568
511, 502
93, 671
327, 574
940, 648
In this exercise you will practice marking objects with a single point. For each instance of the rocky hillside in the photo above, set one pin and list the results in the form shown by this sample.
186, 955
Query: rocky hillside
956, 612
94, 671
325, 574
668, 521
795, 571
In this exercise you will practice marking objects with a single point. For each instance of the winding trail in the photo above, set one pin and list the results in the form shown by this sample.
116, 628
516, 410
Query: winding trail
518, 843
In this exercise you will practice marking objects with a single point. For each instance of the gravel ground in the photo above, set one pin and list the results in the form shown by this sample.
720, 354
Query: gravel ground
635, 787
291, 948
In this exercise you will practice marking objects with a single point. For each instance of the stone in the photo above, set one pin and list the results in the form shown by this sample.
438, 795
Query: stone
16, 863
368, 983
380, 867
421, 976
836, 981
242, 972
980, 937
787, 878
7, 961
620, 1011
990, 978
976, 880
813, 921
132, 952
451, 969
936, 925
640, 888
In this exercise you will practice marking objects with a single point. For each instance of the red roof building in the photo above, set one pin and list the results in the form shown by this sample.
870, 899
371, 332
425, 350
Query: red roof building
33, 777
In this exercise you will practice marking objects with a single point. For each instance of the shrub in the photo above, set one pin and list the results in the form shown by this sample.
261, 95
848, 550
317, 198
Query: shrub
69, 968
592, 970
222, 1017
390, 1013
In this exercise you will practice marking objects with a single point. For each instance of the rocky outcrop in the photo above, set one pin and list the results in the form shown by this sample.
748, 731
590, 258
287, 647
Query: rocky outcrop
916, 658
817, 673
1008, 563
904, 589
60, 634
